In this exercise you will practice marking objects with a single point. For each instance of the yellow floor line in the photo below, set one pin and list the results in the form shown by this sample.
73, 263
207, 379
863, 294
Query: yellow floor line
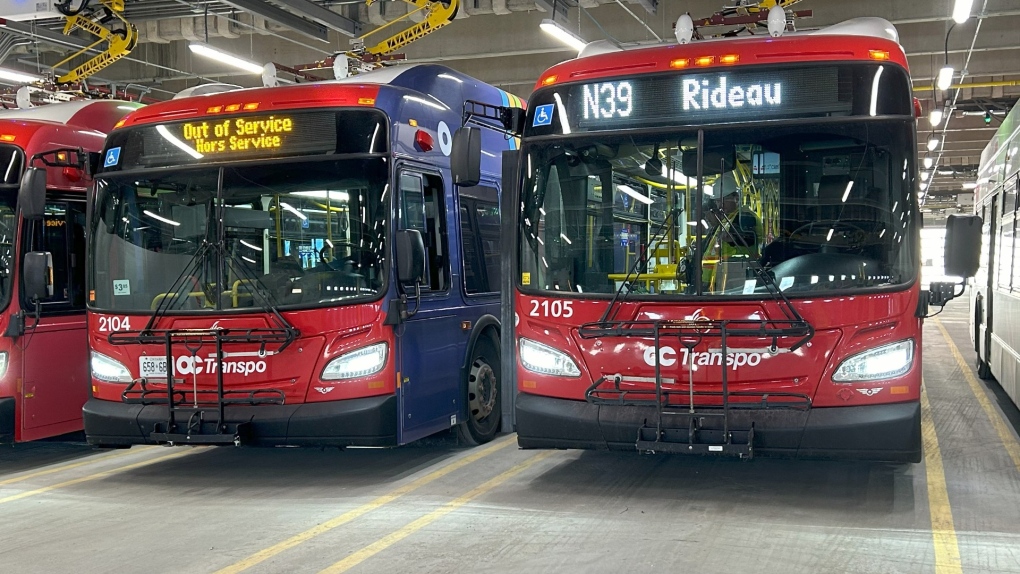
69, 466
95, 476
947, 550
394, 537
350, 515
1006, 435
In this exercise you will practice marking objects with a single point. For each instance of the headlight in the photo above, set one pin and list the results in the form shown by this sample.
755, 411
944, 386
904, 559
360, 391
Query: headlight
361, 363
885, 362
543, 359
106, 369
3, 363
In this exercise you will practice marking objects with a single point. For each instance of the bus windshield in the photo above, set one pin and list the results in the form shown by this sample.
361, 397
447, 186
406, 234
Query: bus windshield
12, 161
286, 234
807, 207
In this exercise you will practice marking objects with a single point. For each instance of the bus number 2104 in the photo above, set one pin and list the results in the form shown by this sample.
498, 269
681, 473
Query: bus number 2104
114, 324
555, 308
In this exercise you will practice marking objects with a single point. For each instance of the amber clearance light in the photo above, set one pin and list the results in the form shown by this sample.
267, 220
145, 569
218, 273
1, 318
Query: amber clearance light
878, 54
704, 61
729, 59
548, 80
680, 63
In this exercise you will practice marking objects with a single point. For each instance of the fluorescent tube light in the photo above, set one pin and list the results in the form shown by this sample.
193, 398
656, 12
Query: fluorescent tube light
208, 51
562, 34
18, 77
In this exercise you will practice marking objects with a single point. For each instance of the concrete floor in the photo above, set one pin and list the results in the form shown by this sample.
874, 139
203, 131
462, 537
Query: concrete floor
435, 507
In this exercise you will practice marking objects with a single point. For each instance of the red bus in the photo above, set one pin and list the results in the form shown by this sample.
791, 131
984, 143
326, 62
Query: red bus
716, 250
44, 376
295, 266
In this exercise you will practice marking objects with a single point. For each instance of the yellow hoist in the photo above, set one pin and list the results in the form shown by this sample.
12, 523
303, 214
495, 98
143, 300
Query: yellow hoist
119, 42
438, 13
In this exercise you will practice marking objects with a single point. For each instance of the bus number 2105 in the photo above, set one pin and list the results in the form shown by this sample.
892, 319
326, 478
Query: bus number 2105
555, 308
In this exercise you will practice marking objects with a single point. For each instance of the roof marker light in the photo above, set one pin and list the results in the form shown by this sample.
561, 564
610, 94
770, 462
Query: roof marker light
549, 80
232, 108
704, 61
366, 101
214, 109
878, 54
251, 106
729, 59
6, 138
680, 63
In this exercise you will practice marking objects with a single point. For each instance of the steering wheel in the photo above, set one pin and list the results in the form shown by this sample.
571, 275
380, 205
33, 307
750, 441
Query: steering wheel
826, 225
322, 253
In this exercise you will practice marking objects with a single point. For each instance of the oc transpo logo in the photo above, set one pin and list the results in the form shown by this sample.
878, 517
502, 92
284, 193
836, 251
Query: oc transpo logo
187, 365
668, 356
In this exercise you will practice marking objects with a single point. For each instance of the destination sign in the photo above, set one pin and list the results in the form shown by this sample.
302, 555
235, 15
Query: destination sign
751, 93
710, 96
238, 134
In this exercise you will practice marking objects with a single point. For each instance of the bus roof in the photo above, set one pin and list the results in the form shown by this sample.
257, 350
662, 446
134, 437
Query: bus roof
97, 115
850, 41
360, 90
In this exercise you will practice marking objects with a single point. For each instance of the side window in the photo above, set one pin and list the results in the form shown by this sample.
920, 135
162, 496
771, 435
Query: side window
62, 233
479, 220
421, 208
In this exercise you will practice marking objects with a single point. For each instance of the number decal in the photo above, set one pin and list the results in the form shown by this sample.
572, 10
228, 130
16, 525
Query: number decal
555, 308
107, 324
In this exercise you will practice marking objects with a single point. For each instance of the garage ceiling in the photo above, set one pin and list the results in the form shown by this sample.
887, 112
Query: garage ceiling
499, 41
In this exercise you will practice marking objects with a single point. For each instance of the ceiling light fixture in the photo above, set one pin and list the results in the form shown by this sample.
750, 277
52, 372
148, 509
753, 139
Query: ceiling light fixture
928, 161
935, 117
961, 10
18, 77
207, 51
933, 142
945, 78
557, 31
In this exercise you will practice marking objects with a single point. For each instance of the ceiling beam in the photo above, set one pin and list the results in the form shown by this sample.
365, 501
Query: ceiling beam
324, 16
282, 17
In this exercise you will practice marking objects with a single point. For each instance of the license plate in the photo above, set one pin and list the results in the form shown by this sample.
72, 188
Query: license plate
154, 367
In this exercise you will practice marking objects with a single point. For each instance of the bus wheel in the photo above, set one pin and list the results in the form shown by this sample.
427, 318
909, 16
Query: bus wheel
483, 400
983, 370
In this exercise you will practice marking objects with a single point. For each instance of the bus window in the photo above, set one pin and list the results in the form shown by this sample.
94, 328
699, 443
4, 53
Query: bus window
479, 228
62, 233
422, 209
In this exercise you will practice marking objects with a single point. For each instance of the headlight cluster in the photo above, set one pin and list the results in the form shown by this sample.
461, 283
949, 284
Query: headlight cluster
545, 360
359, 363
885, 362
106, 369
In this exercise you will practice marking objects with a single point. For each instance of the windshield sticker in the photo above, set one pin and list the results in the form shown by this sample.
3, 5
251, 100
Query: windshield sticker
526, 278
112, 157
121, 286
785, 283
749, 286
543, 115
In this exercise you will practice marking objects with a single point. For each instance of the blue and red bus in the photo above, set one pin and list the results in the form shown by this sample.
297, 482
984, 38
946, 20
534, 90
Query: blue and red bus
715, 249
44, 376
295, 266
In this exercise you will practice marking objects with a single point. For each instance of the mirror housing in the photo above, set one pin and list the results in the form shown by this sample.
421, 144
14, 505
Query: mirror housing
963, 245
38, 275
32, 193
466, 156
410, 256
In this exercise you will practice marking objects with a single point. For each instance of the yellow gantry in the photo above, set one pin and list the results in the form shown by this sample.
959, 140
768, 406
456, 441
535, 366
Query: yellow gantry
119, 42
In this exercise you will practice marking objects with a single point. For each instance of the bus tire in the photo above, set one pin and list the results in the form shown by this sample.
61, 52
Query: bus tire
984, 372
482, 393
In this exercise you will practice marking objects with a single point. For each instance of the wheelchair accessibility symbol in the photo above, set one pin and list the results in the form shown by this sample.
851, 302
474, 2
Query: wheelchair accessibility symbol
112, 157
543, 115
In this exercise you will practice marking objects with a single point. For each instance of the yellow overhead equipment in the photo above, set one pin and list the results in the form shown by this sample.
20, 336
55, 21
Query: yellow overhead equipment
119, 42
438, 13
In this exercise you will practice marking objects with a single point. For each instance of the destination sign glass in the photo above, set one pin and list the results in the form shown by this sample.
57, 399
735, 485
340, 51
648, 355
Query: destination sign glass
693, 97
254, 136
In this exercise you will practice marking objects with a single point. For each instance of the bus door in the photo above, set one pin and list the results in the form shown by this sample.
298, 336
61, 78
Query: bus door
55, 371
430, 344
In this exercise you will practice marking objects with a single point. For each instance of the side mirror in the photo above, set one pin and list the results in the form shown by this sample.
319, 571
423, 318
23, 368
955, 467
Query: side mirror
963, 245
32, 193
410, 255
38, 275
466, 156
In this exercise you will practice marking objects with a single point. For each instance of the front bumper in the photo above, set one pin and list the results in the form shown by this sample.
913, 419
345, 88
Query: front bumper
370, 421
888, 432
